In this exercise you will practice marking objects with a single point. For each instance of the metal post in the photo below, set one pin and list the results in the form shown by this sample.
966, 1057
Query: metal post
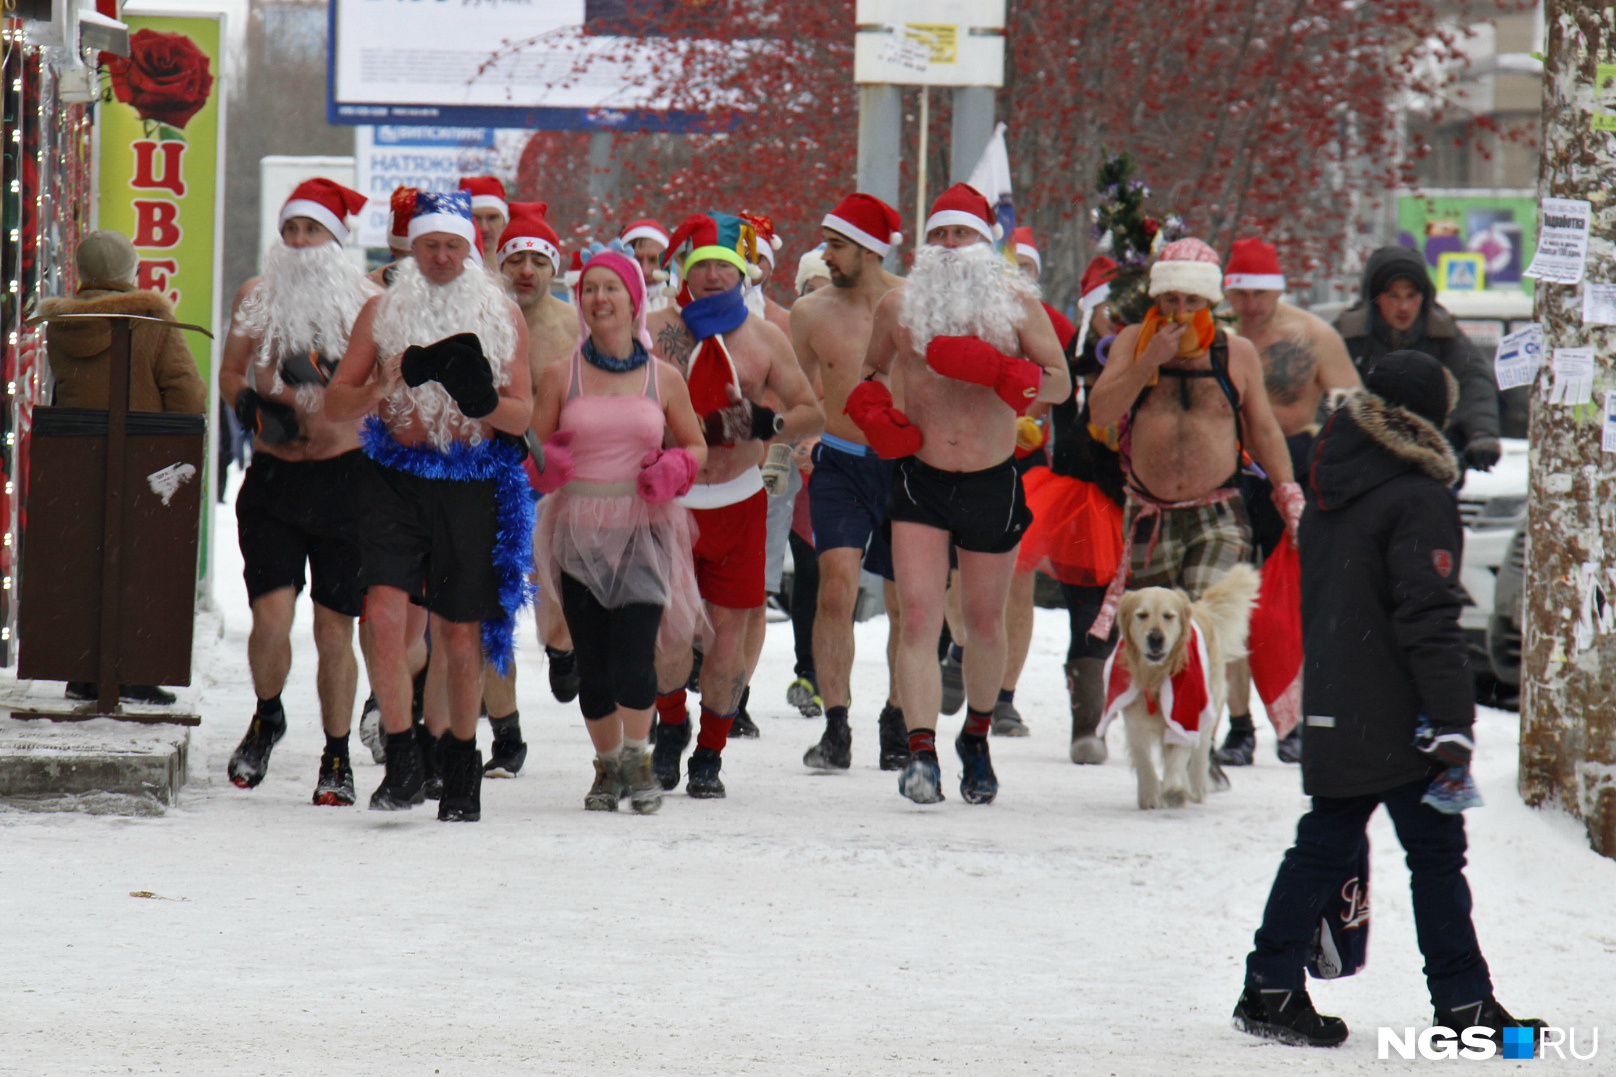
920, 170
880, 134
602, 170
973, 126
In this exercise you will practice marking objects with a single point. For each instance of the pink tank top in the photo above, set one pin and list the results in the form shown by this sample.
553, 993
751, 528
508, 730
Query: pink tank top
612, 434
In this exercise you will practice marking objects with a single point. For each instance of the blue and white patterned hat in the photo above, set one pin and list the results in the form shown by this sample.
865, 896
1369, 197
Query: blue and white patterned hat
443, 211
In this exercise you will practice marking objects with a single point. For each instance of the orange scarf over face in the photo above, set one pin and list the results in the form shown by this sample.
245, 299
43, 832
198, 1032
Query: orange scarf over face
1195, 342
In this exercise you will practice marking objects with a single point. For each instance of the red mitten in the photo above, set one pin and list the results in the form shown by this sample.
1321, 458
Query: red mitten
666, 474
888, 430
980, 363
557, 468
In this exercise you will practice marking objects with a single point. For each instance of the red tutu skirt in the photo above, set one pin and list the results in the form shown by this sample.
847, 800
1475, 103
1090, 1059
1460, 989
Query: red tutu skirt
1076, 531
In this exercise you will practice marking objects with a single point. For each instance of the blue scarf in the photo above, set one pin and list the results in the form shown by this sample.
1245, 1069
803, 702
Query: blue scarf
611, 363
513, 538
715, 314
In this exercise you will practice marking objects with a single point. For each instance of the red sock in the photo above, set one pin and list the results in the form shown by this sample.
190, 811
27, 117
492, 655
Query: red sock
977, 723
714, 730
922, 740
671, 708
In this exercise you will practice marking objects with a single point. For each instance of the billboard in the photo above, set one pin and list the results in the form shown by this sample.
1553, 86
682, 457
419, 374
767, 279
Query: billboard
560, 65
1500, 226
426, 158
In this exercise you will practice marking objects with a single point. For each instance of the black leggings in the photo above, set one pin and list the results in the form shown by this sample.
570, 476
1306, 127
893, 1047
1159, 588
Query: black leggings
1083, 606
616, 650
804, 601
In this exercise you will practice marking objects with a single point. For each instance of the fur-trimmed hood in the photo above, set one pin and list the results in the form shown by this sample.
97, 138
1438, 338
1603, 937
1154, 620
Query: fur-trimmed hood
1366, 442
83, 339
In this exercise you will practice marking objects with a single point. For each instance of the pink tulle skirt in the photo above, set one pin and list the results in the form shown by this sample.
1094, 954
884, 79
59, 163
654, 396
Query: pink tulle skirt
625, 551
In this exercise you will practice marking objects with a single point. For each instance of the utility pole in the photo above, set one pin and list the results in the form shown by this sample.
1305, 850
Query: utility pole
1568, 656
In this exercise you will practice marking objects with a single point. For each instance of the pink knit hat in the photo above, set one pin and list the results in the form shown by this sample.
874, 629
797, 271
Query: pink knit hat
1188, 266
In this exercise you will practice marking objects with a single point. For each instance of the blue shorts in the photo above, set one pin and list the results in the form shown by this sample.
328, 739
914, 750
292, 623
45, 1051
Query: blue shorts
847, 502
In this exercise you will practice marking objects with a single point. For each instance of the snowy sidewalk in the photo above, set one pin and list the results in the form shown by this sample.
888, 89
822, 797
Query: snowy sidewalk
808, 924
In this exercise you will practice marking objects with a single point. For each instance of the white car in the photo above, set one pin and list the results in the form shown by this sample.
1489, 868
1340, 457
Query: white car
1492, 505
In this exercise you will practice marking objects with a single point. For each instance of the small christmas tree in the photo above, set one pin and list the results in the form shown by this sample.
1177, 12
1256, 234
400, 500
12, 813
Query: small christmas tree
1128, 235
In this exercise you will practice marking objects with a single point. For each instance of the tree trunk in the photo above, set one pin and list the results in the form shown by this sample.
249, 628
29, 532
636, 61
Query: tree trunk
1568, 700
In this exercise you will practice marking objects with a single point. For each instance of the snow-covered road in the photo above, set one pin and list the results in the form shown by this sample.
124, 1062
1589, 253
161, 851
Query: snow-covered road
808, 924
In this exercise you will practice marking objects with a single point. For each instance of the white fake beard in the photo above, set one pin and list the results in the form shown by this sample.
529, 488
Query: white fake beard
306, 300
416, 311
965, 292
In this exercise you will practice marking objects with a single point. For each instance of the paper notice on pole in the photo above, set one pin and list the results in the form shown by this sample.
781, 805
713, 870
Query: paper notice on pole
1573, 376
910, 47
1562, 243
1519, 355
1598, 303
1607, 429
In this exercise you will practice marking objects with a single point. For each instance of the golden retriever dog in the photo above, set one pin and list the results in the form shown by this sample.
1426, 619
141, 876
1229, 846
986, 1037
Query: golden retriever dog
1155, 646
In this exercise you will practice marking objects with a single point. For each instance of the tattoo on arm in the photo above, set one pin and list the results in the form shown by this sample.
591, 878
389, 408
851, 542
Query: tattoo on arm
1289, 368
675, 342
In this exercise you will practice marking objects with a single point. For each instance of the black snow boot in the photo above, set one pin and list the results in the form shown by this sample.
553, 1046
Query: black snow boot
835, 749
401, 785
1290, 746
672, 740
978, 783
1287, 1016
1239, 744
704, 783
563, 674
431, 762
462, 797
894, 739
250, 761
508, 751
1490, 1015
743, 726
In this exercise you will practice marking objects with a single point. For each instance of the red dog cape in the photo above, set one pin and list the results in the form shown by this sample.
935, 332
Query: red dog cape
1275, 639
1186, 699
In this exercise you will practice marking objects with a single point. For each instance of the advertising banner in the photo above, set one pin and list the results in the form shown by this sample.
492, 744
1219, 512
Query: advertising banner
426, 158
1501, 226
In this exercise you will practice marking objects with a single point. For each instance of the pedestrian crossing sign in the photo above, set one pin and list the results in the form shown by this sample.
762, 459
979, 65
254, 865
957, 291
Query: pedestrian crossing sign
1461, 272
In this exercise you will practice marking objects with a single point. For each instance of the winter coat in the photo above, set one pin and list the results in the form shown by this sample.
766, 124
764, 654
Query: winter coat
1380, 543
162, 373
1368, 337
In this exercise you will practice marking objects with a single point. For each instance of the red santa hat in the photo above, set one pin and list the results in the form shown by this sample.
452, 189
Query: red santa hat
326, 203
529, 230
1188, 266
486, 193
1254, 264
964, 204
867, 221
400, 209
1026, 247
767, 241
1095, 287
645, 228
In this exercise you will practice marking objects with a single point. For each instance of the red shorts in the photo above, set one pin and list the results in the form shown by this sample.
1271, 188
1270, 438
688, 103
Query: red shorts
729, 552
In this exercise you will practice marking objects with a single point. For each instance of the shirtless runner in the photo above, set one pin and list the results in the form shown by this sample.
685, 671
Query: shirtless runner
830, 331
972, 349
730, 357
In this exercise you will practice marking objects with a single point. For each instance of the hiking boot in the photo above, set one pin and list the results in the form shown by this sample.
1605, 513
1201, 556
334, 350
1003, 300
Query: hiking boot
431, 761
640, 784
1290, 746
672, 740
743, 726
1490, 1015
803, 694
894, 739
704, 783
1239, 744
922, 779
953, 685
1007, 721
835, 748
1085, 686
978, 783
603, 795
461, 800
335, 787
563, 674
401, 785
250, 761
508, 751
370, 731
1287, 1016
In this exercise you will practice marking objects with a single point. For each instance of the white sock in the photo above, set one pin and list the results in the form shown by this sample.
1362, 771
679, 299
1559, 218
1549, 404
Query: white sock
611, 755
632, 745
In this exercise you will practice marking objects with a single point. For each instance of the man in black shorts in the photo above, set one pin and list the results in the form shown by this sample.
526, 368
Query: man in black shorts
442, 358
955, 332
288, 329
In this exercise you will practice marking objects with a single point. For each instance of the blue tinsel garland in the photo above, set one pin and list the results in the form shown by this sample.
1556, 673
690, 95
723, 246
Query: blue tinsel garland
513, 541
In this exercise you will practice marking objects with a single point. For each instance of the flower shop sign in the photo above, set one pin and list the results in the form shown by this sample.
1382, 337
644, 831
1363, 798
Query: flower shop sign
160, 129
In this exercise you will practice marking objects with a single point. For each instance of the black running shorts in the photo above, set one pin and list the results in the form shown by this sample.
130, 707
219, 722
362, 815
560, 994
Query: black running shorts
291, 512
983, 511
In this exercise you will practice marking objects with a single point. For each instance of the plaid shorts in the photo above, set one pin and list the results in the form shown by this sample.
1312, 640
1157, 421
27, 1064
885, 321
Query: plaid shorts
1195, 548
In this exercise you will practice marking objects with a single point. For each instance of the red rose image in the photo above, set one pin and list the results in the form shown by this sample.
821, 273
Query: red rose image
165, 78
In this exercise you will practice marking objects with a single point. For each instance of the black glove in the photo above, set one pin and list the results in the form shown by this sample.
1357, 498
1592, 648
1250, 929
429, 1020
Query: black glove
269, 420
420, 365
1450, 747
743, 421
310, 369
1481, 453
470, 380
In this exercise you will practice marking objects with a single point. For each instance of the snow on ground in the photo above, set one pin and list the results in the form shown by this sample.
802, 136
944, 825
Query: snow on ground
808, 924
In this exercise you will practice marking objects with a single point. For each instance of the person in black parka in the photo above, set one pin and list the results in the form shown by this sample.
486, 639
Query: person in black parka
1397, 309
1379, 542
